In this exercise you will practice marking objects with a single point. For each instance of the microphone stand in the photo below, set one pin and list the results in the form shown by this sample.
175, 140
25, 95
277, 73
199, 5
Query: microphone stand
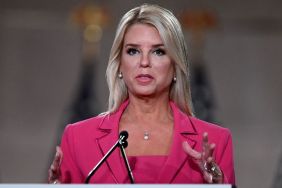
129, 171
122, 143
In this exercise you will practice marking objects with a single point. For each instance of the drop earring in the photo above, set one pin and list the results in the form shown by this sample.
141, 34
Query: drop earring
174, 79
120, 75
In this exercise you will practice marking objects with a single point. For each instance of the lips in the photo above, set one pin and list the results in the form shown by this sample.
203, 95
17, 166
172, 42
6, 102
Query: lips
144, 78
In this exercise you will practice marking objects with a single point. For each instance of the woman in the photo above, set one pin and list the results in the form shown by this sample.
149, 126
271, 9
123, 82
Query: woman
149, 97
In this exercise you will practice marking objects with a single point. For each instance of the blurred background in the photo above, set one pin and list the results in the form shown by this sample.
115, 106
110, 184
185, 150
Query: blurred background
53, 57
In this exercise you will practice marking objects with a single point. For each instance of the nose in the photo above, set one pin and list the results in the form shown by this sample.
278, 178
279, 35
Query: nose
145, 60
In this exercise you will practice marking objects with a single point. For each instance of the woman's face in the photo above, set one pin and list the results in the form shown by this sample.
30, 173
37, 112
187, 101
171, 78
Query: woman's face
146, 67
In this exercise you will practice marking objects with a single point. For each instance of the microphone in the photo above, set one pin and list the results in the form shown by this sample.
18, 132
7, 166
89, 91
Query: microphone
122, 143
123, 135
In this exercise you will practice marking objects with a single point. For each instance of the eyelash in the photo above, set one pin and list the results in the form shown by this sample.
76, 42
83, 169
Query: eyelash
158, 52
131, 51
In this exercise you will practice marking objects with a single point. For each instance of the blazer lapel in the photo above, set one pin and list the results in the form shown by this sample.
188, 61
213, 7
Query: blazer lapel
183, 131
114, 162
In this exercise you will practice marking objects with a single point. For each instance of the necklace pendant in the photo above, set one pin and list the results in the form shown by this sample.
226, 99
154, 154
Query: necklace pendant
146, 135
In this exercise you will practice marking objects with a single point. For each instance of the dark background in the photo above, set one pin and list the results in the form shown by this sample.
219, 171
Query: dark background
41, 70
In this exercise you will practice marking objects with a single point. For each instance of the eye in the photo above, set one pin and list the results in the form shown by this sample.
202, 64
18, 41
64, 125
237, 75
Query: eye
159, 52
132, 51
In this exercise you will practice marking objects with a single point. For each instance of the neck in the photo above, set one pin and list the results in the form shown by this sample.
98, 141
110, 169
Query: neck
149, 109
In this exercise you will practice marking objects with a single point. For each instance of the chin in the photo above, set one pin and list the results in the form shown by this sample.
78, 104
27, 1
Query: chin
145, 94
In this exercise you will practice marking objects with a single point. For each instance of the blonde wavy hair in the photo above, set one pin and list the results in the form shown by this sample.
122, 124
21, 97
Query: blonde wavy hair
171, 34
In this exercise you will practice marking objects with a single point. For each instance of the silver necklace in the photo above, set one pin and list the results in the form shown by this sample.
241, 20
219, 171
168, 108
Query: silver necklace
146, 135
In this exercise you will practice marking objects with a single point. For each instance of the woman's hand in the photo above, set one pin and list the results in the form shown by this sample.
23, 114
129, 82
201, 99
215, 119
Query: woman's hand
205, 161
54, 170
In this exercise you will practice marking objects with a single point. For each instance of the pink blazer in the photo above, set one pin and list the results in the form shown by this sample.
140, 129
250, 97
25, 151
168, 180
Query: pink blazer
85, 143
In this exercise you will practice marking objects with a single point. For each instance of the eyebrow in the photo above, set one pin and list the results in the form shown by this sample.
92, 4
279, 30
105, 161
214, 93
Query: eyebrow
137, 45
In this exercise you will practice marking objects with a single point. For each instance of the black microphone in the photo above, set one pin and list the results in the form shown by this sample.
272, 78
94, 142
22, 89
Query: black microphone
122, 143
123, 135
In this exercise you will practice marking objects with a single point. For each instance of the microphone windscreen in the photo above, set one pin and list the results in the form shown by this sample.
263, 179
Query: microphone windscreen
124, 144
123, 134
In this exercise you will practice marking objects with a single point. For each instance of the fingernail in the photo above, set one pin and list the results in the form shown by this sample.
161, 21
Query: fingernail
57, 154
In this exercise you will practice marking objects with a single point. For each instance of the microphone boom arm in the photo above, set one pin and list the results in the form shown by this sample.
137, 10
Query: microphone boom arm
101, 162
122, 143
127, 164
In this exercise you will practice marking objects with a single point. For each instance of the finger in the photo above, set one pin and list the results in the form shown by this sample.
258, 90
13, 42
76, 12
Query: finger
54, 170
196, 156
60, 154
56, 182
211, 149
209, 164
52, 176
205, 145
58, 157
205, 140
209, 152
214, 171
207, 177
191, 152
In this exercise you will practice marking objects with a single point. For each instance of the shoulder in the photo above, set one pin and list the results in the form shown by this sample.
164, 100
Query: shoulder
215, 132
86, 126
201, 125
196, 126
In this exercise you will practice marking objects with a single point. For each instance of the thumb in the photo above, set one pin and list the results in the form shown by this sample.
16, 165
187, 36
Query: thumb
58, 155
191, 152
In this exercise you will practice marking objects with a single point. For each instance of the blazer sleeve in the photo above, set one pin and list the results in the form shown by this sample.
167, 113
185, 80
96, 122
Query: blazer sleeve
224, 157
70, 172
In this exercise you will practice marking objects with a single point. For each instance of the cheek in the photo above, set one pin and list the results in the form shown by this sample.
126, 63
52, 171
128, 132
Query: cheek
127, 68
127, 63
166, 69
